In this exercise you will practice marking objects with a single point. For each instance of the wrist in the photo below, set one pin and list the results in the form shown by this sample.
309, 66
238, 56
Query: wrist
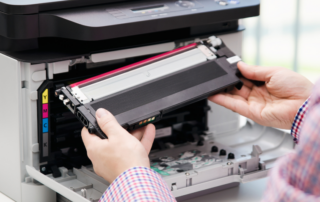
298, 121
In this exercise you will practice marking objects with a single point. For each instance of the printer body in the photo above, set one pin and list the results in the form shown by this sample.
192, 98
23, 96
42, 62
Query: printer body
200, 147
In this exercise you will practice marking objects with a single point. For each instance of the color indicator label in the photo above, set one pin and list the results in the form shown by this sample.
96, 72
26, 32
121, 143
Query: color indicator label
45, 111
45, 148
45, 97
45, 125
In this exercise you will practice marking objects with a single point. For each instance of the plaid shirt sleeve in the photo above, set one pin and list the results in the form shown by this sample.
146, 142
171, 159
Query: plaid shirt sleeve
138, 184
296, 177
298, 121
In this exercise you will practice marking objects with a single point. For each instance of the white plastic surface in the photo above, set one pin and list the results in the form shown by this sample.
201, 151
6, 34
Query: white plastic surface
37, 193
39, 76
68, 193
58, 67
4, 198
10, 124
246, 192
132, 52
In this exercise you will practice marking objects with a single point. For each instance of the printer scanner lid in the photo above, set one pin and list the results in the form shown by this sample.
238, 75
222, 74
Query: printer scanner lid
36, 6
81, 26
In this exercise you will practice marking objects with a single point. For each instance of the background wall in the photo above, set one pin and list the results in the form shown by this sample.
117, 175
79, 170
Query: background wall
286, 34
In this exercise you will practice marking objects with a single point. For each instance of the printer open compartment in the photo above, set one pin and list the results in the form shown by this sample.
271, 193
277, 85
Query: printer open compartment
203, 163
199, 148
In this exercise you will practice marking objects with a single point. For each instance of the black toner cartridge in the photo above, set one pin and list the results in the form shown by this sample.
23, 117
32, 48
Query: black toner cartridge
143, 92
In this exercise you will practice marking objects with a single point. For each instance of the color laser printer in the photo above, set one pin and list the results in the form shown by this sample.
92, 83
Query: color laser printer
49, 45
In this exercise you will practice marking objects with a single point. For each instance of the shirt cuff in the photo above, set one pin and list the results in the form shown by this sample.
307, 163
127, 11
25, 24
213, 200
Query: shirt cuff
138, 184
298, 121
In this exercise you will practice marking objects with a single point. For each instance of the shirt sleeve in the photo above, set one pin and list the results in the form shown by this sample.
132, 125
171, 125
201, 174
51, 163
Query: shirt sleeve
298, 121
296, 176
138, 184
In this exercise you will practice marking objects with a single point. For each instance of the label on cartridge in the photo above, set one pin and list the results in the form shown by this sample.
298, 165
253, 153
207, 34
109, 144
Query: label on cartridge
45, 97
163, 132
45, 125
45, 111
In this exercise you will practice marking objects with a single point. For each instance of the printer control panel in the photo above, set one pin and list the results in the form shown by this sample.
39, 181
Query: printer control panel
155, 9
165, 8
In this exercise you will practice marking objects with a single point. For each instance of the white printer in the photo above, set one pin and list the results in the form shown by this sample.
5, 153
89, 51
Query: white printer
47, 44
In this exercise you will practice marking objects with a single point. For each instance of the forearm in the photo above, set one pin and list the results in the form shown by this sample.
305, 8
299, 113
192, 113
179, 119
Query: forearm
296, 176
138, 184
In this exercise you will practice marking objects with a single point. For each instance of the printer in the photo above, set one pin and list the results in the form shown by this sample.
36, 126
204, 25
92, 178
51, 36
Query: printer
45, 45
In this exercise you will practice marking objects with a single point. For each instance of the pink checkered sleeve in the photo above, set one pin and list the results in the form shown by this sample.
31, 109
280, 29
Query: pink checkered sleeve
296, 176
138, 184
298, 121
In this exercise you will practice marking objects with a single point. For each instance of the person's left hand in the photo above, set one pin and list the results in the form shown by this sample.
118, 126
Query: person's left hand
121, 151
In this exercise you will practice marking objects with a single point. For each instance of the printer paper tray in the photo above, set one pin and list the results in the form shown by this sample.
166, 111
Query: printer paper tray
273, 143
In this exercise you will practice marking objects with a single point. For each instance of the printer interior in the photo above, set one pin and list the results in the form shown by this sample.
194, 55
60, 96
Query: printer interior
66, 149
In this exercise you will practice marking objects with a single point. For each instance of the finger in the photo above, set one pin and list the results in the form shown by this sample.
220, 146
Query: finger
138, 133
108, 124
88, 139
243, 92
148, 137
235, 103
247, 83
256, 72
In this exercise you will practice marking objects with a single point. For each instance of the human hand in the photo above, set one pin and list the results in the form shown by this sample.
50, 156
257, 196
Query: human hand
121, 151
274, 104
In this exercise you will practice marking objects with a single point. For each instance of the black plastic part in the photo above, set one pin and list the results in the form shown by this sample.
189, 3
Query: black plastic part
256, 83
30, 7
159, 89
182, 96
231, 156
200, 143
214, 149
47, 50
19, 26
222, 152
92, 130
77, 23
24, 27
55, 171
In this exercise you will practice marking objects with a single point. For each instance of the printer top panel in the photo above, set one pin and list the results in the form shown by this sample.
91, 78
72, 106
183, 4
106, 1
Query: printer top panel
36, 6
116, 20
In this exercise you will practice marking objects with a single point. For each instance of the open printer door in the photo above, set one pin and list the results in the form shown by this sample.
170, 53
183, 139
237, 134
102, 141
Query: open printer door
84, 185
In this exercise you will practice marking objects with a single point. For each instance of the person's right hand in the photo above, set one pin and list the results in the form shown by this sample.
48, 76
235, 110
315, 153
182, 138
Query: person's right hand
121, 151
274, 104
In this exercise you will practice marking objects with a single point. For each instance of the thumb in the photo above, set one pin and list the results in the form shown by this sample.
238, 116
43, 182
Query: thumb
256, 73
108, 123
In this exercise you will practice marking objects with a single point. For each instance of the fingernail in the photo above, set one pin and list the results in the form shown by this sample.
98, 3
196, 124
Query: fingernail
101, 113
